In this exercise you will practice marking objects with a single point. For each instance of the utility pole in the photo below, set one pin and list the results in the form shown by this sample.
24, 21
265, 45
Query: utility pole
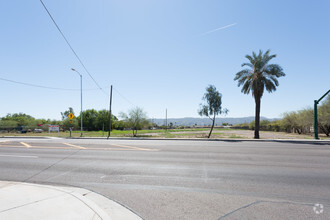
81, 115
166, 121
316, 126
110, 112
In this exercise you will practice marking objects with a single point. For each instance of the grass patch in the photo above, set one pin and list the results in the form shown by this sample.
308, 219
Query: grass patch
234, 136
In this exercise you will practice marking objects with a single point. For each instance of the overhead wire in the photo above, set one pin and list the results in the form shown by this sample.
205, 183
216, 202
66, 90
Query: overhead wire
74, 52
76, 55
64, 89
128, 101
43, 87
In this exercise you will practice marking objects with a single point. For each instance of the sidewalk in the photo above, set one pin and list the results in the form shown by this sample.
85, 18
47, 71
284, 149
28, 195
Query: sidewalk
32, 201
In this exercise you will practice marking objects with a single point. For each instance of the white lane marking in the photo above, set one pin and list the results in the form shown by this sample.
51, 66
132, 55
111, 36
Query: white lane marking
75, 146
55, 138
25, 144
134, 148
103, 176
8, 155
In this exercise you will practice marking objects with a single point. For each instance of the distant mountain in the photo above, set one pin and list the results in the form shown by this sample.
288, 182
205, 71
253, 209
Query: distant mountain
206, 121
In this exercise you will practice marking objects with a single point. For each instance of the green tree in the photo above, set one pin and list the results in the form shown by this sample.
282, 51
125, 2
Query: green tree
119, 125
212, 108
103, 119
22, 119
259, 76
290, 122
299, 122
66, 113
90, 119
66, 120
136, 119
8, 125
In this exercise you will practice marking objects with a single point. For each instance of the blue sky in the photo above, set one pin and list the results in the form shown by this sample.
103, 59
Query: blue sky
159, 54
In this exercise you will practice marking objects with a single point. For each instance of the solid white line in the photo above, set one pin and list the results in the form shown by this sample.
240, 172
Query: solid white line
3, 155
26, 145
134, 148
75, 146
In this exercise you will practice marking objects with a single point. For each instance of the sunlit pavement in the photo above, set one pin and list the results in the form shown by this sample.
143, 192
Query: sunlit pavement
172, 179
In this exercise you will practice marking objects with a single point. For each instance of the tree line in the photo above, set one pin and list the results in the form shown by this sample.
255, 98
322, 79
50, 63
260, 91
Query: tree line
93, 120
300, 122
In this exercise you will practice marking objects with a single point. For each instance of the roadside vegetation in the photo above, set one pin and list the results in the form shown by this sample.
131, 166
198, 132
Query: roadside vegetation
296, 124
259, 76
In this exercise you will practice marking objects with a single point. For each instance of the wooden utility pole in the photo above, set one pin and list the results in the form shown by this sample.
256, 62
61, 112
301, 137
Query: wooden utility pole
110, 112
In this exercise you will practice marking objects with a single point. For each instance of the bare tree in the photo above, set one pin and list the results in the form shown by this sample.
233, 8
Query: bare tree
136, 119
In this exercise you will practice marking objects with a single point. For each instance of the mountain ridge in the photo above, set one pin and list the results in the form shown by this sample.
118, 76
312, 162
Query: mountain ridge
190, 121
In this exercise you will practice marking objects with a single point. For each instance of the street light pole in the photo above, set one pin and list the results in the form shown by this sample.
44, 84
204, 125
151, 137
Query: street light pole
81, 117
316, 126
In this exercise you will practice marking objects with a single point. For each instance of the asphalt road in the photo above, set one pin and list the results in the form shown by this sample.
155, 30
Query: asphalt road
170, 179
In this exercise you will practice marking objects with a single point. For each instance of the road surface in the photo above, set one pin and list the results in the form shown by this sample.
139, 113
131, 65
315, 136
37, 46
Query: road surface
171, 179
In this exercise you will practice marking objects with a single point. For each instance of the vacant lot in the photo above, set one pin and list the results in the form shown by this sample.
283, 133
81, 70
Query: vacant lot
178, 133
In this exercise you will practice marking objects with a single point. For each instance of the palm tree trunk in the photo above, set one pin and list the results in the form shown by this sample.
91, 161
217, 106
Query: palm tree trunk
257, 117
212, 127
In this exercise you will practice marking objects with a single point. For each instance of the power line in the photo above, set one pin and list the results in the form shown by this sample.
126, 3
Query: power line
124, 97
74, 52
43, 87
65, 89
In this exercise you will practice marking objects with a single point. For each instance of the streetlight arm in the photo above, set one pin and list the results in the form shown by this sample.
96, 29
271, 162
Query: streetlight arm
76, 72
323, 96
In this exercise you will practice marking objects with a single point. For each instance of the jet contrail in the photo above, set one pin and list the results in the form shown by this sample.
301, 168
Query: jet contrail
220, 28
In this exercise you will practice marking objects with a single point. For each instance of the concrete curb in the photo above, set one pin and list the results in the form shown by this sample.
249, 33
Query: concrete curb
204, 139
28, 137
35, 201
311, 141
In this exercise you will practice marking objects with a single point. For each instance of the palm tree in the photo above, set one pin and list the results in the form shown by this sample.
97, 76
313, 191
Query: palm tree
257, 77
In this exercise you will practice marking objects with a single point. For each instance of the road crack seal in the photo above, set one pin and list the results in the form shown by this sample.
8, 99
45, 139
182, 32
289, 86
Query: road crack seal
243, 207
47, 168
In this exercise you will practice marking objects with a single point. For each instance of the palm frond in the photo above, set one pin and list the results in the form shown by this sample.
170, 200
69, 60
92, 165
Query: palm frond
250, 58
274, 70
269, 85
247, 64
246, 87
275, 81
254, 55
241, 74
243, 80
260, 76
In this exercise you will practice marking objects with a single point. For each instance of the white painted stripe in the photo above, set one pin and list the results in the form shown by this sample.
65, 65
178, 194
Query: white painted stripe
75, 146
26, 145
7, 155
133, 148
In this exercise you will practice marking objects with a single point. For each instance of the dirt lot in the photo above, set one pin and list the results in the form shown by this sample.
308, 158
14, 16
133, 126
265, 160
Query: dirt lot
234, 134
217, 133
